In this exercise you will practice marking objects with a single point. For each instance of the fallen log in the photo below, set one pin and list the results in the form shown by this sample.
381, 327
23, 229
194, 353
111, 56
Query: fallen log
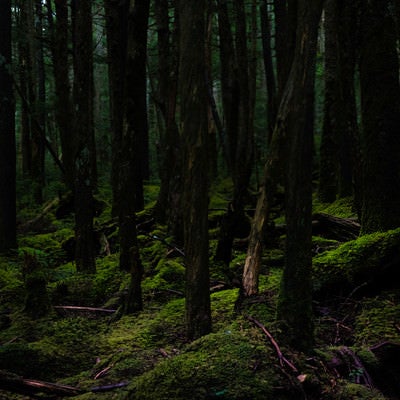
332, 227
365, 265
16, 384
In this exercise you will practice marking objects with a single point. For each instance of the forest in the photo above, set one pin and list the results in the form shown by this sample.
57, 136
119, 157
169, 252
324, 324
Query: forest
199, 199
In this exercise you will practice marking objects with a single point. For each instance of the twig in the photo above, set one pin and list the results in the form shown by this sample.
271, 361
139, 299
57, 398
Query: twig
106, 388
282, 359
85, 309
155, 237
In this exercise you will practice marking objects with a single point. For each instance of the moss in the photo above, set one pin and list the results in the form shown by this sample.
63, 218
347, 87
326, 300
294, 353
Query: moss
343, 207
169, 274
377, 322
356, 260
218, 365
353, 391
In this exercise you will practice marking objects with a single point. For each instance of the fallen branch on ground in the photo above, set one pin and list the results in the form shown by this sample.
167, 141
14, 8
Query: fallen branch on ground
16, 384
282, 359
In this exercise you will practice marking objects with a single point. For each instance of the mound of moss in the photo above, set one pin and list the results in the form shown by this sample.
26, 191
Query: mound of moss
369, 260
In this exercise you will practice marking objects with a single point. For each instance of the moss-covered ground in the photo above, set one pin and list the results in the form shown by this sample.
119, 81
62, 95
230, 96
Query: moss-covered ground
147, 356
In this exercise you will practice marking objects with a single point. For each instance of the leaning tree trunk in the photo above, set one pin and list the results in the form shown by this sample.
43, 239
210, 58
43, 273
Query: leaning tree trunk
194, 122
380, 106
8, 238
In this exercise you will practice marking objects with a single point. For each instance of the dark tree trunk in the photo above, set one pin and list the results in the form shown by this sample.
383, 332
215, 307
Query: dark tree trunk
380, 104
168, 203
8, 239
268, 68
61, 69
134, 129
83, 131
193, 97
295, 301
116, 28
328, 167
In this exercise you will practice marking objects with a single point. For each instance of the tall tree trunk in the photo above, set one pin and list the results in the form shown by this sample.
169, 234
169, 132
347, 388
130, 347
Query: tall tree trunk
349, 147
295, 300
8, 238
61, 69
38, 148
268, 68
116, 27
328, 168
135, 124
193, 97
83, 131
380, 97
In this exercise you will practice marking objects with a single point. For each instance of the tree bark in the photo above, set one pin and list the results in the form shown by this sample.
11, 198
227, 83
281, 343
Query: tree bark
380, 106
63, 102
8, 239
193, 95
116, 27
83, 131
295, 299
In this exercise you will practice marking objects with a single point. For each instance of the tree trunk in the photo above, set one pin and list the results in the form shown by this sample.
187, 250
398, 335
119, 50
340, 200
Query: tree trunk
135, 123
380, 106
295, 300
328, 167
83, 131
8, 239
63, 103
193, 97
116, 28
269, 69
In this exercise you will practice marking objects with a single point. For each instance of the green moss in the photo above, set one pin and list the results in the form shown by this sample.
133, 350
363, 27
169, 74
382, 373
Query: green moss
377, 322
169, 274
353, 391
343, 207
220, 365
352, 259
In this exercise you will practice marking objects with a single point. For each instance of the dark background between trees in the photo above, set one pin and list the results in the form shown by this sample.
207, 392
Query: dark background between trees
289, 100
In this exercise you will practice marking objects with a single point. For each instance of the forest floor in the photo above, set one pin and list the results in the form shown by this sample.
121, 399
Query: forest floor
69, 339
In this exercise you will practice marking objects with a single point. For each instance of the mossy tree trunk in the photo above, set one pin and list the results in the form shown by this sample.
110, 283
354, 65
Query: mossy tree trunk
7, 136
295, 300
82, 136
194, 122
380, 105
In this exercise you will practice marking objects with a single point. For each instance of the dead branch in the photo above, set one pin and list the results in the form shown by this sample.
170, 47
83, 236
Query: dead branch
32, 222
63, 310
16, 384
345, 351
106, 388
282, 359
